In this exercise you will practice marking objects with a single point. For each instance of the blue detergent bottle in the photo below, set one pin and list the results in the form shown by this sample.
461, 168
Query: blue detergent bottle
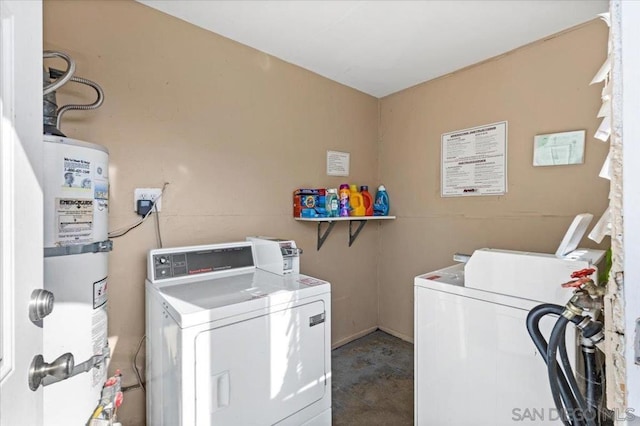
332, 203
381, 205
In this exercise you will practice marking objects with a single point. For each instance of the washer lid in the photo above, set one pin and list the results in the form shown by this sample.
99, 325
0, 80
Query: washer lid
574, 234
199, 301
447, 280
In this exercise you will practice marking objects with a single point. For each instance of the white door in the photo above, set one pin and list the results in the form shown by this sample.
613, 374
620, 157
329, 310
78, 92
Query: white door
630, 109
20, 206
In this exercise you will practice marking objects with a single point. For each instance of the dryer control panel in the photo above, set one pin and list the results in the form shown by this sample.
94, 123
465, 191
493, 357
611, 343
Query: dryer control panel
199, 260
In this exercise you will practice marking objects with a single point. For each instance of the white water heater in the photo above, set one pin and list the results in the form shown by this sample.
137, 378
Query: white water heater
76, 246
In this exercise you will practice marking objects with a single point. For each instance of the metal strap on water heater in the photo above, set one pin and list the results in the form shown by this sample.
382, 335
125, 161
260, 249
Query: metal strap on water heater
94, 362
97, 247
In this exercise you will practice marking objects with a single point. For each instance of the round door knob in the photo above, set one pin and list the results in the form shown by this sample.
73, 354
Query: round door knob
40, 305
60, 369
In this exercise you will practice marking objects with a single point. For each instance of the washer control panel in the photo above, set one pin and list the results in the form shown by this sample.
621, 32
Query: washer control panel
199, 260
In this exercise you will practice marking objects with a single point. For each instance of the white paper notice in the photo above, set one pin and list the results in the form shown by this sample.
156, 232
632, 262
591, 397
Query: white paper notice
474, 161
558, 149
337, 163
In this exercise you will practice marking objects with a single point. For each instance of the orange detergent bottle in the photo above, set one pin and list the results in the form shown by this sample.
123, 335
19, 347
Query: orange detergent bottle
367, 199
356, 201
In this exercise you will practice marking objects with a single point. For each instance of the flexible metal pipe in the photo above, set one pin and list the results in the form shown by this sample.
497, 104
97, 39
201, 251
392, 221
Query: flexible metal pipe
71, 69
99, 100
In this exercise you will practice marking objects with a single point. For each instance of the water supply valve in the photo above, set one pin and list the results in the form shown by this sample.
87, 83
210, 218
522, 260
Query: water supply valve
582, 280
581, 277
587, 296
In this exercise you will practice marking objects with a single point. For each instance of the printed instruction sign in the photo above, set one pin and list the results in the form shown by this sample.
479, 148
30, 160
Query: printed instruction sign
474, 161
76, 173
100, 341
337, 163
74, 218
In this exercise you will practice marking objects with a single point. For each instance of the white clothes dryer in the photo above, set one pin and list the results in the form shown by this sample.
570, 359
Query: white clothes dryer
231, 344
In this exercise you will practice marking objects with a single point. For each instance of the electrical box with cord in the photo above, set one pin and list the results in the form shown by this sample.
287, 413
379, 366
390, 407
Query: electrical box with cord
143, 207
148, 196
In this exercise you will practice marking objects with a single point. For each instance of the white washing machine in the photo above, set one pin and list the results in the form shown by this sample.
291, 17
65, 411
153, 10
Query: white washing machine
231, 344
474, 360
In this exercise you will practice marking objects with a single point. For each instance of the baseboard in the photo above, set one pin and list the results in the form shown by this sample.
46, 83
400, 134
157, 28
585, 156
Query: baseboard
397, 334
353, 337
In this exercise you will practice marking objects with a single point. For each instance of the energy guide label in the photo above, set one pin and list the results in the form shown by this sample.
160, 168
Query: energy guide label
74, 220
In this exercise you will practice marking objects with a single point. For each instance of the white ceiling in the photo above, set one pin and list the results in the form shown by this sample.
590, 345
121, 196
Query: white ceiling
380, 47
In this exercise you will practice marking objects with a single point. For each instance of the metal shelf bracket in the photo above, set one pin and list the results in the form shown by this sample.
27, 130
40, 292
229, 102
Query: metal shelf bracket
322, 236
331, 222
354, 235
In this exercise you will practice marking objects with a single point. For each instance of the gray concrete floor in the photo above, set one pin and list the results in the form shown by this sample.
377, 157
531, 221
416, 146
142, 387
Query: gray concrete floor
372, 381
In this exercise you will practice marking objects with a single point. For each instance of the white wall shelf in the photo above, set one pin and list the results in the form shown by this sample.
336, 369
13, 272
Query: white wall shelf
331, 221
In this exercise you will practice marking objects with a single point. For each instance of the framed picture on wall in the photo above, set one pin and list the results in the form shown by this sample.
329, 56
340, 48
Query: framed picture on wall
559, 149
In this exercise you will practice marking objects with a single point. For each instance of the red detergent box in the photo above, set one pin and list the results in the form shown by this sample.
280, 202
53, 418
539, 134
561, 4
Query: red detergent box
307, 200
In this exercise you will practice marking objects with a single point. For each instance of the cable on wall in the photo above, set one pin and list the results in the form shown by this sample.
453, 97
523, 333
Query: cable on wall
125, 230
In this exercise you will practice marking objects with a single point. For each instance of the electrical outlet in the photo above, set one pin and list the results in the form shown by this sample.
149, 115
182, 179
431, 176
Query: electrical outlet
151, 194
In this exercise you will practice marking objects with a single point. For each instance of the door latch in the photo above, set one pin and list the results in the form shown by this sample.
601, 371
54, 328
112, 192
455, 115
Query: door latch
40, 304
61, 368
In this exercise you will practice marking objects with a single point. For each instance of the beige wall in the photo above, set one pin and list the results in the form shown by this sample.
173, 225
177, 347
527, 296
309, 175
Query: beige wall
540, 88
234, 131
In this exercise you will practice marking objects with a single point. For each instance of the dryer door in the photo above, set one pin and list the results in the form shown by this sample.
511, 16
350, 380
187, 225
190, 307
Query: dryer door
262, 370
